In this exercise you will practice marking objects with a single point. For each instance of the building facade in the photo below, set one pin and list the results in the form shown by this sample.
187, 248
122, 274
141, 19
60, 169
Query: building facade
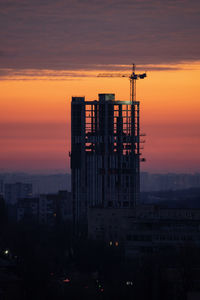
145, 229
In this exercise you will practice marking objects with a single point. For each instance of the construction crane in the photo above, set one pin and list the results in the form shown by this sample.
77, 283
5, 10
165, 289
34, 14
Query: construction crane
133, 77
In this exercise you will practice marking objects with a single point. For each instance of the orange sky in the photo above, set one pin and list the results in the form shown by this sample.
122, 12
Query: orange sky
35, 117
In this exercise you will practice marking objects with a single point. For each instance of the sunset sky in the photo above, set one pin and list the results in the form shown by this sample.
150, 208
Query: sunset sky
51, 50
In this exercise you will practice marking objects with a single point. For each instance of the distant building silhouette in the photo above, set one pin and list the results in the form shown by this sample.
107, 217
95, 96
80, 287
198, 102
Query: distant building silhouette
12, 193
47, 209
15, 191
1, 186
168, 181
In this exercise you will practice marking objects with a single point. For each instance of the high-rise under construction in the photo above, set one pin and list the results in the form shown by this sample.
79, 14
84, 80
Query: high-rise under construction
105, 154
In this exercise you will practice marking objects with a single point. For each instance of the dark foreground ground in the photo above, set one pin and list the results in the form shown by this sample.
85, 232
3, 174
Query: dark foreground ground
39, 263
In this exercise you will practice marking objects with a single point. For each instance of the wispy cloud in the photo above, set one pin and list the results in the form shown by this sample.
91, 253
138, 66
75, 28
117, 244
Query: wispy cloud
85, 71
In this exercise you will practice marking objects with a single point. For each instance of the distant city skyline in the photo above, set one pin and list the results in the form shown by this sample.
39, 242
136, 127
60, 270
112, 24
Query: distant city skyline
54, 182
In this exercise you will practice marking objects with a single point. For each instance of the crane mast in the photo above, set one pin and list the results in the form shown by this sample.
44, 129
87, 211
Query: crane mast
133, 77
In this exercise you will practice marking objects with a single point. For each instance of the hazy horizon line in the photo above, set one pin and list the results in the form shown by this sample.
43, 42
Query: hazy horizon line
65, 172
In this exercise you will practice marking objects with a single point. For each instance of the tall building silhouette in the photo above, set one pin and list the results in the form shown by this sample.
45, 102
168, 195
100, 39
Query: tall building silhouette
105, 154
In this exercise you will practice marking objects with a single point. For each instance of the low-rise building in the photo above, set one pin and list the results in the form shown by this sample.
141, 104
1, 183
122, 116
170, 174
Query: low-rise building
145, 229
27, 209
46, 209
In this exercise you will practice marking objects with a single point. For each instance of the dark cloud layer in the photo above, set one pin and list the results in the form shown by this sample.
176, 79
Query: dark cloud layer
68, 34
